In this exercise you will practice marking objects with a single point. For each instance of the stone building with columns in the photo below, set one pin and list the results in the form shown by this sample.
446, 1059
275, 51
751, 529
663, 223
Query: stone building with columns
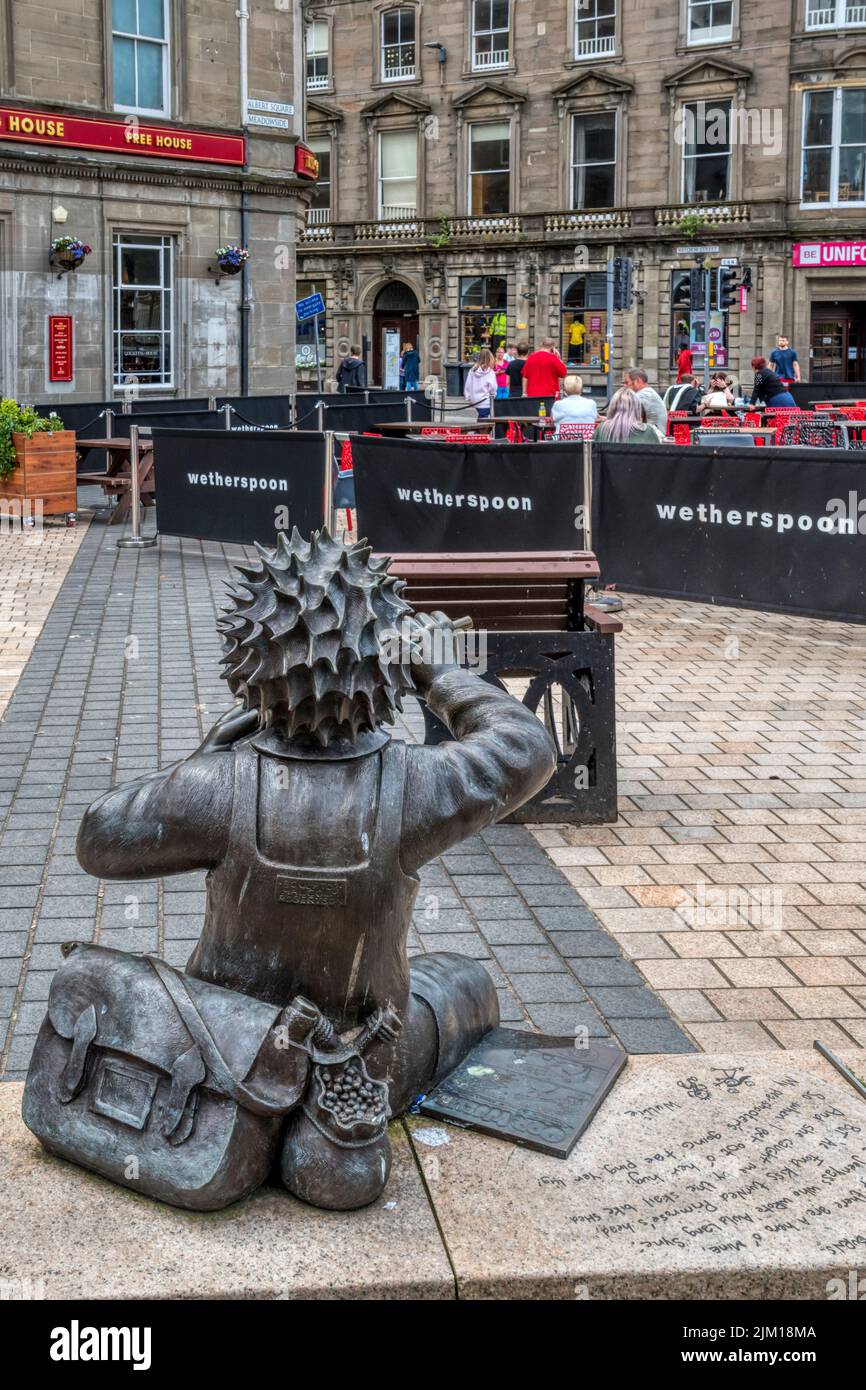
483, 159
155, 132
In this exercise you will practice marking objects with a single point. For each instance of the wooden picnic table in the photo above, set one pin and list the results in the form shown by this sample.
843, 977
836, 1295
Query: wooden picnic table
116, 480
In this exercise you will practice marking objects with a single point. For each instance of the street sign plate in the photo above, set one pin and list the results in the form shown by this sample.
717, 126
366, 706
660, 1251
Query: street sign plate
274, 122
277, 108
308, 308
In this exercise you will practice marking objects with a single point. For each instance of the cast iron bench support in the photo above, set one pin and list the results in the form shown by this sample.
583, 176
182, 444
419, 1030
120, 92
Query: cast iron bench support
530, 608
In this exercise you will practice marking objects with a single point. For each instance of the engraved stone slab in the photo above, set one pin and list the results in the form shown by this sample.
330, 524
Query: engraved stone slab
537, 1091
701, 1176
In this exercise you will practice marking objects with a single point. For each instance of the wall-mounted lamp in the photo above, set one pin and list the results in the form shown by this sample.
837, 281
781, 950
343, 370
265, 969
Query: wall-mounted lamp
59, 214
441, 53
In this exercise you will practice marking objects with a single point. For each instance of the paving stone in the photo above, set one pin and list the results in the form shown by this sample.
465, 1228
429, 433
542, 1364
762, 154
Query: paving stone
528, 958
545, 988
626, 1001
645, 1035
577, 945
513, 932
563, 1020
604, 970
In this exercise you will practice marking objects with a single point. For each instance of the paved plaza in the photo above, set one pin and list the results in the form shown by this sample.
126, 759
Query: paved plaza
723, 912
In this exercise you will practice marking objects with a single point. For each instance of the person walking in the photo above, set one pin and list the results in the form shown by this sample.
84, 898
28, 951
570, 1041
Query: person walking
783, 360
500, 367
480, 387
636, 379
573, 407
769, 388
684, 363
410, 366
625, 421
515, 370
351, 371
543, 370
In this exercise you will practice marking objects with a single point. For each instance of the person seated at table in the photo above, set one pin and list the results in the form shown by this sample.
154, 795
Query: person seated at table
685, 396
573, 407
768, 387
625, 421
480, 387
719, 400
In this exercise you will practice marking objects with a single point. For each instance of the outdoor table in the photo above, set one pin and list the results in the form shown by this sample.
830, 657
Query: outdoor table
115, 481
768, 432
414, 426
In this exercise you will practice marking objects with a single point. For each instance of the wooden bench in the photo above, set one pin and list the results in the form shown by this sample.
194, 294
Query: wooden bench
532, 620
115, 480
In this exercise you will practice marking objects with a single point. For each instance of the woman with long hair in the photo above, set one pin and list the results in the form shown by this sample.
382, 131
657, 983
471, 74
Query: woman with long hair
624, 421
480, 387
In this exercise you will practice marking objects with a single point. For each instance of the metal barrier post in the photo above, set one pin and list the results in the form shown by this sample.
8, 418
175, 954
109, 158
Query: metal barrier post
587, 494
320, 416
109, 423
329, 481
135, 540
409, 404
293, 408
227, 417
366, 397
211, 402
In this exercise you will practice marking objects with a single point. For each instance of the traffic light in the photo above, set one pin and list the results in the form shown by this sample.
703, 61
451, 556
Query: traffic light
622, 277
726, 290
692, 291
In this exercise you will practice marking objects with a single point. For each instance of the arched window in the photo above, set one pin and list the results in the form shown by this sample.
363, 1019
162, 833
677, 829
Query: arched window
398, 45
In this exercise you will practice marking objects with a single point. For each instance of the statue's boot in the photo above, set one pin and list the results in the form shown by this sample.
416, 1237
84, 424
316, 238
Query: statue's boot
452, 1004
327, 1174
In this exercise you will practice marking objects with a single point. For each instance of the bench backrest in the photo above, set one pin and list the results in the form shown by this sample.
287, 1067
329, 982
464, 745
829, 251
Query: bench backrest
524, 591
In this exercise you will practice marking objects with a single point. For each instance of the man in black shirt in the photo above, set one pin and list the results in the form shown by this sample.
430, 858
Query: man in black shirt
515, 368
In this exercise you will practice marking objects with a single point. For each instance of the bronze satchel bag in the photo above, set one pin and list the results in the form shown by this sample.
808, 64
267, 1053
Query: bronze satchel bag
167, 1084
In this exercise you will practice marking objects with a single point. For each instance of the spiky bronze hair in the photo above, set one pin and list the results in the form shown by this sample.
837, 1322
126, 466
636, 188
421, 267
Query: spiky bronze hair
302, 638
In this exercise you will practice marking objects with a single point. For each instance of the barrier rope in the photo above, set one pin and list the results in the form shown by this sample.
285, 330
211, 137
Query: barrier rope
302, 418
83, 428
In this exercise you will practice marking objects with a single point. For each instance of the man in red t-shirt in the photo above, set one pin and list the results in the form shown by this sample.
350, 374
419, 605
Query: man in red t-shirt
543, 370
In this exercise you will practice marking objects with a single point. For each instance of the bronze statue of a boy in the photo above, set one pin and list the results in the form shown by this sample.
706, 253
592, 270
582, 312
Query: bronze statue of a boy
298, 1028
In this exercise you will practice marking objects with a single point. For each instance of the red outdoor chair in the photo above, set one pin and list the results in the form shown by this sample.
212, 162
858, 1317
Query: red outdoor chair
574, 429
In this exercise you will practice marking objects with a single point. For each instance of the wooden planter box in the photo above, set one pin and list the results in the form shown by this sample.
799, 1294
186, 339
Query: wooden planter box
46, 470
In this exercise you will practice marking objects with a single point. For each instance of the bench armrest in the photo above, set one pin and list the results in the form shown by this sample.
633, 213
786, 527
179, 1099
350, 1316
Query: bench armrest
599, 620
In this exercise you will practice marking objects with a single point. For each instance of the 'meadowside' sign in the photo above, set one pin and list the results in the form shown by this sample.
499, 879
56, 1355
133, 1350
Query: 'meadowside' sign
829, 253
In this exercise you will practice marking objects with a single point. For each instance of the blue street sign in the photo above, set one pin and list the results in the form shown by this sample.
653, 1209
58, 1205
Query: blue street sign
309, 307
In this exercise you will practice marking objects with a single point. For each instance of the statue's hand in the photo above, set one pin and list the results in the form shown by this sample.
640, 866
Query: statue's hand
235, 724
434, 648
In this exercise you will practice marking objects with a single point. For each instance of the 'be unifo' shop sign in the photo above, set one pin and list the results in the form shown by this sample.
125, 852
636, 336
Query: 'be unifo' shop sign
820, 254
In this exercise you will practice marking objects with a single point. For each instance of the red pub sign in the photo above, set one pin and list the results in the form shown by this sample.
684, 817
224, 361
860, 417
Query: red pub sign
60, 360
131, 136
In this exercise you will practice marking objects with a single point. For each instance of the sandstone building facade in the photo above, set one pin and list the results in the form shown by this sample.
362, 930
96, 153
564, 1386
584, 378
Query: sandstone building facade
123, 124
482, 160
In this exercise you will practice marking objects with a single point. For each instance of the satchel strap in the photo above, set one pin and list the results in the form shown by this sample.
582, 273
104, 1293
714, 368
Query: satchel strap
73, 1073
214, 1060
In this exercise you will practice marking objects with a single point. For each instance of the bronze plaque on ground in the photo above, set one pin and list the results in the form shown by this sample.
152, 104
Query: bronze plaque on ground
534, 1090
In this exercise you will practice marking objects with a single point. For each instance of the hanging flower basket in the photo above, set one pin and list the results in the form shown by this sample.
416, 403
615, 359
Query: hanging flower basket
231, 259
68, 252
